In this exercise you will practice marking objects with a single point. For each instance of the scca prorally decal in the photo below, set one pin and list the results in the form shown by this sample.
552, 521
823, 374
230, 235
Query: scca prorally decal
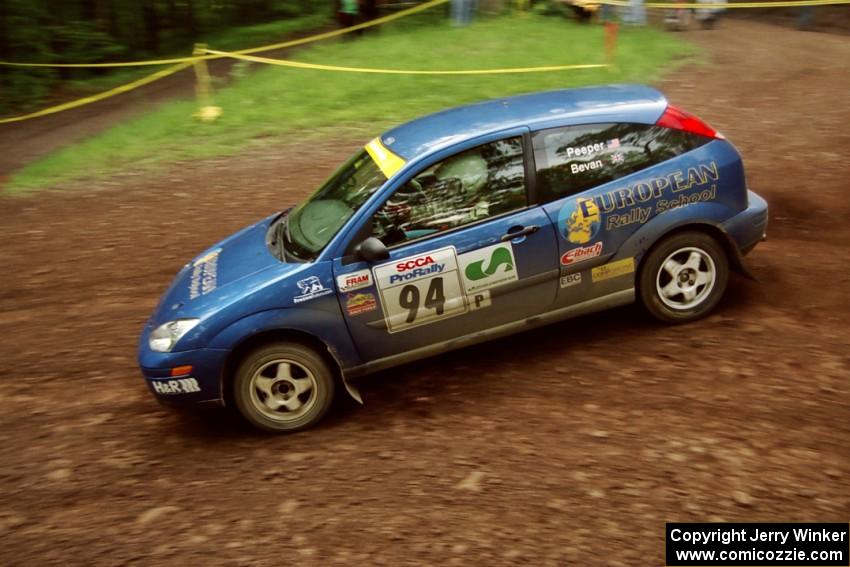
175, 386
204, 275
488, 267
581, 254
421, 289
612, 270
354, 280
359, 303
311, 288
416, 268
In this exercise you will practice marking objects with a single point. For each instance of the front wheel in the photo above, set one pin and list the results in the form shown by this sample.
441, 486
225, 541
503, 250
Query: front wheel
283, 387
683, 278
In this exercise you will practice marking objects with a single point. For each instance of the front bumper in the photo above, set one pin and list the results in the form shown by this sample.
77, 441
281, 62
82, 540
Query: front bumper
749, 227
172, 383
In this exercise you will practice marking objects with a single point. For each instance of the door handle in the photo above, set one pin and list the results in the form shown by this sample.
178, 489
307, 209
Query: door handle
518, 232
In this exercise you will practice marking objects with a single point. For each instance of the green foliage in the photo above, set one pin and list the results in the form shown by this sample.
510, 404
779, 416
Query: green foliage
92, 31
284, 104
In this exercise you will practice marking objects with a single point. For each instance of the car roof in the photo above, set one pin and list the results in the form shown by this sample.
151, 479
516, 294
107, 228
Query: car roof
612, 103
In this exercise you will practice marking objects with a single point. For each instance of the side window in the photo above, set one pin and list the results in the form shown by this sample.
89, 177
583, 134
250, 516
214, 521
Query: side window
483, 182
572, 159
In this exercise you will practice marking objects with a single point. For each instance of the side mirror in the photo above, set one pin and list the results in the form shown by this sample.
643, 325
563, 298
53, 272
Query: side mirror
372, 250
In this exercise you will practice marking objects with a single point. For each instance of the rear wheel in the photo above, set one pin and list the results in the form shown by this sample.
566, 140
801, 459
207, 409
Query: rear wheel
683, 278
283, 387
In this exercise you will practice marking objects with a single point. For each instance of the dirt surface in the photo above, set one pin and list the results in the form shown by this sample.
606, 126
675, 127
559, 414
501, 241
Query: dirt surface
572, 444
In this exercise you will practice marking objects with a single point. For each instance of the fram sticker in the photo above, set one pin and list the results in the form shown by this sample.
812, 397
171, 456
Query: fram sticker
488, 267
613, 269
354, 280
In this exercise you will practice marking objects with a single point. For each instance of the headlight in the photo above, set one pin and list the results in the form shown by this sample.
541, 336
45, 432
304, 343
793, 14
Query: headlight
164, 337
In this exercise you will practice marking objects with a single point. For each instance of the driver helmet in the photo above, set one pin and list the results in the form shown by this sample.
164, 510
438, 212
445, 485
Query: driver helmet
469, 168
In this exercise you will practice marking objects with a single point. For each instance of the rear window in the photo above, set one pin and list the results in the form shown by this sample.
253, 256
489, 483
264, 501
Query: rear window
572, 159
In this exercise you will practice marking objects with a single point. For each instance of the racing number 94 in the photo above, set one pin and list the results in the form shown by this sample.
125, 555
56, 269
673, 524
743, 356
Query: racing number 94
435, 298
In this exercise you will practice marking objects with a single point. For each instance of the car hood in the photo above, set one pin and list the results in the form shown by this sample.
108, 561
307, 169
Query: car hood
221, 274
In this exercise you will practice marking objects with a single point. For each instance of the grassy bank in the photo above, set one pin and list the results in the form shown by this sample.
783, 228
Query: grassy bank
231, 39
282, 103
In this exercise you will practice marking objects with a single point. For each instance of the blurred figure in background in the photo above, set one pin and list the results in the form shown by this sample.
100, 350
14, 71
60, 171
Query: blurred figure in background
707, 16
370, 10
636, 13
677, 19
347, 12
806, 17
462, 11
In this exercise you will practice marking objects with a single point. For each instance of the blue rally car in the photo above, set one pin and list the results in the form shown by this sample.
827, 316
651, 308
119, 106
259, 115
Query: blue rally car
459, 227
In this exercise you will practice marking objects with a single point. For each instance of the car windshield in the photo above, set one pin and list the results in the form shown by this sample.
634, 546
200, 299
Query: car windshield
312, 224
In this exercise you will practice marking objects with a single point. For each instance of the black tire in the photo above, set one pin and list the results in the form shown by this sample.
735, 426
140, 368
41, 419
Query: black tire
658, 290
261, 382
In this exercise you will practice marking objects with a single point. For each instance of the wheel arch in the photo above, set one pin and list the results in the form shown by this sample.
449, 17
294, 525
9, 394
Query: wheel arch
271, 336
703, 217
733, 254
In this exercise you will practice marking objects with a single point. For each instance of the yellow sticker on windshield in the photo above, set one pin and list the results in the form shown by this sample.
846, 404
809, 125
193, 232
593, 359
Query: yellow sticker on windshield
386, 160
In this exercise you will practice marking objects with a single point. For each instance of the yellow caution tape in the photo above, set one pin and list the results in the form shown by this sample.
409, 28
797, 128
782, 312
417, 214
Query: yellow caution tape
337, 68
387, 161
107, 94
99, 65
210, 112
726, 5
281, 45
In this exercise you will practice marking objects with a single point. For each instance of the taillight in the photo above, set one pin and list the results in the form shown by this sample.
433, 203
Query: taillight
678, 119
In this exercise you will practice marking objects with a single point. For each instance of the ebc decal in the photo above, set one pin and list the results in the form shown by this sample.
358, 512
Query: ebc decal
422, 289
570, 280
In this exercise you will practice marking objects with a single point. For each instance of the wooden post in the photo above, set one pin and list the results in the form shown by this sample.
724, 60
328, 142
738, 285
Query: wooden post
207, 112
611, 29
